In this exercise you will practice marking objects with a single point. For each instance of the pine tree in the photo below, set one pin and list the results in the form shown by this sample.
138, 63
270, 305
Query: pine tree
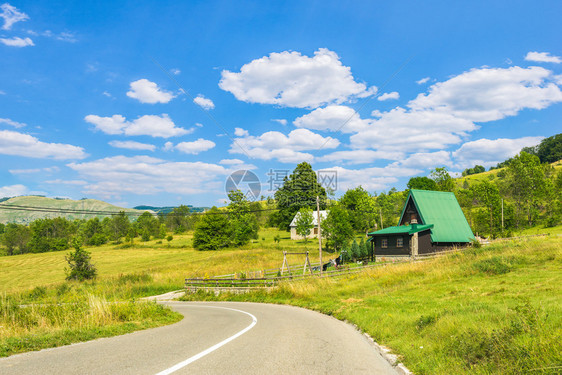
79, 263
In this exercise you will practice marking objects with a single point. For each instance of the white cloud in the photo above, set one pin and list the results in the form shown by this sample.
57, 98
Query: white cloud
153, 125
168, 146
239, 132
422, 81
15, 124
451, 109
488, 152
58, 181
17, 42
490, 94
175, 71
132, 145
19, 144
427, 160
146, 91
114, 176
231, 161
371, 179
402, 130
11, 15
12, 191
105, 93
294, 80
359, 156
543, 57
285, 148
332, 118
203, 102
195, 147
281, 121
389, 96
35, 170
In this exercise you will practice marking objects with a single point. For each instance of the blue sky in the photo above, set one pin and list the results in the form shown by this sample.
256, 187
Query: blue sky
159, 102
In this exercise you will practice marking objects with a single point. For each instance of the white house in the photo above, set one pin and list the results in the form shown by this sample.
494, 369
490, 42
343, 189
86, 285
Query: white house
314, 229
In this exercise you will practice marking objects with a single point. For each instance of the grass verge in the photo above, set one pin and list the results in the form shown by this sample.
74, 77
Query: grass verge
33, 327
494, 310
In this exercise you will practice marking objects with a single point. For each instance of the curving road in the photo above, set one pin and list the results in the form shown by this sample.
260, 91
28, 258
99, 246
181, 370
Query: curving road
218, 338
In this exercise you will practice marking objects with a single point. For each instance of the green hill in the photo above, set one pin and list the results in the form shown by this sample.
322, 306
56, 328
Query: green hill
27, 211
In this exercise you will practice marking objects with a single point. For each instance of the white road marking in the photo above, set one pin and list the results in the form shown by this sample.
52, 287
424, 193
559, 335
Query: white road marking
214, 347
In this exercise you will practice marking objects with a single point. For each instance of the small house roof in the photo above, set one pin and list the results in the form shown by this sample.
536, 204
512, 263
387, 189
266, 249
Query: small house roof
406, 229
443, 211
323, 215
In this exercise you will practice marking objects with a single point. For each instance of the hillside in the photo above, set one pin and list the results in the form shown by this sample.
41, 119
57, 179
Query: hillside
24, 216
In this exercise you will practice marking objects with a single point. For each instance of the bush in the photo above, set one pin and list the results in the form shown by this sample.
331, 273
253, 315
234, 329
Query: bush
80, 266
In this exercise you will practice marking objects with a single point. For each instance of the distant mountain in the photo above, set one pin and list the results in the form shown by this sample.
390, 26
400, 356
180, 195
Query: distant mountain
29, 209
168, 209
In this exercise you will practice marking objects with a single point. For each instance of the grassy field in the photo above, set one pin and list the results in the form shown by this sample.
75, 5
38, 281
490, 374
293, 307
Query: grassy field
494, 310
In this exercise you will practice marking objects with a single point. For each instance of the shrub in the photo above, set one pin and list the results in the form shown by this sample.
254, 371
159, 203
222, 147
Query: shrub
80, 266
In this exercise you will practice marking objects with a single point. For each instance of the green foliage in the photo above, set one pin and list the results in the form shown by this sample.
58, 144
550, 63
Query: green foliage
354, 250
50, 234
299, 190
145, 235
442, 179
162, 232
92, 232
169, 238
117, 226
389, 206
16, 238
79, 262
550, 149
422, 183
477, 169
148, 223
337, 228
243, 222
179, 220
304, 222
361, 207
213, 231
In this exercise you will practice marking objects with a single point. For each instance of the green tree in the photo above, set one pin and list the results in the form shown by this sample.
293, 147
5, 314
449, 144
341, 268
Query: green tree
355, 250
304, 222
51, 234
162, 233
299, 190
213, 231
92, 232
361, 208
178, 221
337, 228
16, 238
442, 179
526, 183
147, 222
421, 183
80, 266
117, 227
243, 222
550, 149
487, 195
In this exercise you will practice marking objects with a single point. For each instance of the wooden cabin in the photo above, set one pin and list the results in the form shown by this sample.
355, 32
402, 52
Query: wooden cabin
431, 221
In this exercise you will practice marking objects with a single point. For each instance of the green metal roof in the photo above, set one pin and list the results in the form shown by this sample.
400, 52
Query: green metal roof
409, 229
443, 211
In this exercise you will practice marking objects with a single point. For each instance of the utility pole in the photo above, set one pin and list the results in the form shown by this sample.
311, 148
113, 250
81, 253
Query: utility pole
319, 232
502, 216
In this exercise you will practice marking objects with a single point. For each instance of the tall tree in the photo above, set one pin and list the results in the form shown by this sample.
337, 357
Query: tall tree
526, 183
16, 238
244, 223
488, 195
299, 190
51, 234
442, 179
361, 208
337, 228
178, 220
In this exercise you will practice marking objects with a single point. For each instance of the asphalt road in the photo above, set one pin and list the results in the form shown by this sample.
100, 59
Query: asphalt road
218, 338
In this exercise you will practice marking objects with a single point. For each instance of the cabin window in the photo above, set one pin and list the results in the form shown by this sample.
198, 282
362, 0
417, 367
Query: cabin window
316, 230
384, 243
399, 242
